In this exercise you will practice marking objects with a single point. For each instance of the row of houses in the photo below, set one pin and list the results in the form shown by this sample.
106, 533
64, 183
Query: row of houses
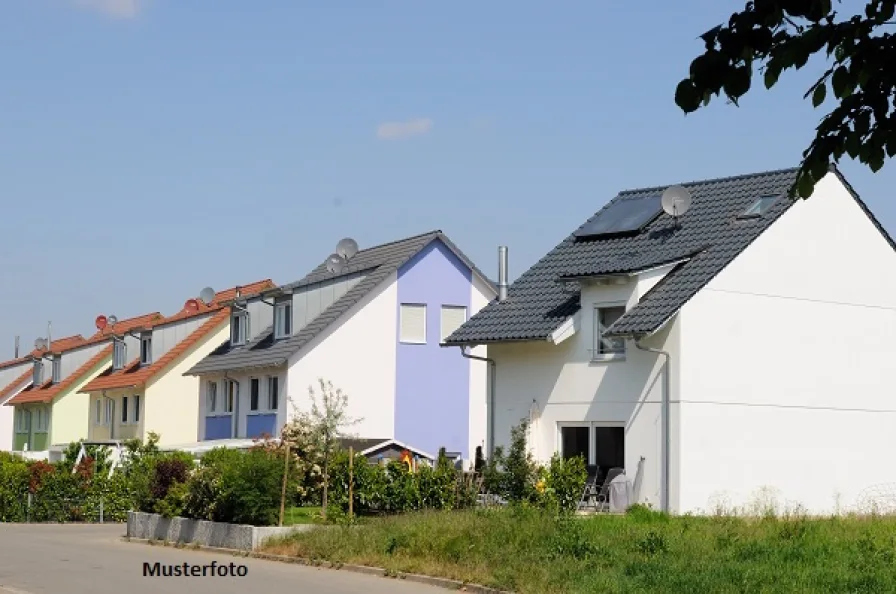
230, 366
738, 349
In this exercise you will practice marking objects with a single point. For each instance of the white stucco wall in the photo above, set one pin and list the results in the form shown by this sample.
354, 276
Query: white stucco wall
357, 354
785, 382
568, 387
7, 413
482, 294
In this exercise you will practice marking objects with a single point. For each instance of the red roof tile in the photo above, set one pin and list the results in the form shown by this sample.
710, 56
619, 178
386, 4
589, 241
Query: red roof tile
47, 391
14, 362
220, 297
124, 326
134, 375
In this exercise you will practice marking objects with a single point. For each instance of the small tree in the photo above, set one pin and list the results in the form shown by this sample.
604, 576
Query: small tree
326, 423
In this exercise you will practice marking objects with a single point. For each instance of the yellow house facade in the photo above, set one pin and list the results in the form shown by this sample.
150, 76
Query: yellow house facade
147, 392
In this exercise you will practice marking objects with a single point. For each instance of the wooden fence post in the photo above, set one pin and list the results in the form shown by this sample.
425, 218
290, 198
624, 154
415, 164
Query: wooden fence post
283, 489
351, 480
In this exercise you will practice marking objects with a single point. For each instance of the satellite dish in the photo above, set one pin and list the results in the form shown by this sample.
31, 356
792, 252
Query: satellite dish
101, 322
40, 344
335, 264
676, 200
112, 320
207, 295
347, 248
191, 305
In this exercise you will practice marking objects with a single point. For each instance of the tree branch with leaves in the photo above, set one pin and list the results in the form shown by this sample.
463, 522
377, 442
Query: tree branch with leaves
322, 427
774, 36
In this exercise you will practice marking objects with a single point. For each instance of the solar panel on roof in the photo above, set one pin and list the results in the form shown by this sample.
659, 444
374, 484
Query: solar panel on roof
623, 216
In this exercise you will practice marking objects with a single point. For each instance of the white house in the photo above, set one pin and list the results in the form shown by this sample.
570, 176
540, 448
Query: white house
14, 375
371, 325
765, 324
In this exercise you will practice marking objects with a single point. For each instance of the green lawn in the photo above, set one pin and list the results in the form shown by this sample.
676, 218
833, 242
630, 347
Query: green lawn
530, 552
301, 515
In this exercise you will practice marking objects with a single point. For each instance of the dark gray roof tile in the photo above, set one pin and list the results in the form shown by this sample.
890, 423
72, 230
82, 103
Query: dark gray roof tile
379, 262
709, 234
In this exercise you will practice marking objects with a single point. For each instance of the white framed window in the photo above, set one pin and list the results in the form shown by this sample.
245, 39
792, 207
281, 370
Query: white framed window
759, 208
119, 354
254, 395
110, 409
233, 392
146, 349
604, 347
453, 317
412, 323
43, 419
211, 397
283, 319
98, 412
57, 369
239, 328
273, 392
601, 444
137, 400
21, 420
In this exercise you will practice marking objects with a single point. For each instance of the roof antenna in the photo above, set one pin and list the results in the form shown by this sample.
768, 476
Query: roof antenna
676, 201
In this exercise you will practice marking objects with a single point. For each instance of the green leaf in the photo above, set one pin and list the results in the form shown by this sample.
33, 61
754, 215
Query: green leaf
819, 94
687, 97
839, 53
772, 72
839, 81
738, 82
804, 186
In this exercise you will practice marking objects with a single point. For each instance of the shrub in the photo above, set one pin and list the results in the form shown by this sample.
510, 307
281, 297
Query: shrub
14, 483
565, 481
250, 487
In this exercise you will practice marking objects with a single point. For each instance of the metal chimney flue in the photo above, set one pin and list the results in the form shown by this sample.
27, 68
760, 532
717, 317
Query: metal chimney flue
17, 348
502, 272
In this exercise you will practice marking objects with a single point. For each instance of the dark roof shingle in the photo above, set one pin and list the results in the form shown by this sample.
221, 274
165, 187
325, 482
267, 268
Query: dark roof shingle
708, 237
377, 262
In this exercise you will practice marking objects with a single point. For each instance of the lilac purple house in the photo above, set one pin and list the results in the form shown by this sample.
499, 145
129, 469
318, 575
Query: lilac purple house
372, 325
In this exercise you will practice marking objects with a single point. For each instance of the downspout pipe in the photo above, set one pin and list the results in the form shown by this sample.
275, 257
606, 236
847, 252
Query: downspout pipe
490, 436
667, 432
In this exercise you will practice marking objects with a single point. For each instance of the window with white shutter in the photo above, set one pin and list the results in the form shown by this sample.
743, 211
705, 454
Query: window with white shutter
412, 323
453, 316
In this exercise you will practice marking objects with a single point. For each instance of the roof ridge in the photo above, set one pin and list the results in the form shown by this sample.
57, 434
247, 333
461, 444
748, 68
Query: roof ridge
435, 232
712, 180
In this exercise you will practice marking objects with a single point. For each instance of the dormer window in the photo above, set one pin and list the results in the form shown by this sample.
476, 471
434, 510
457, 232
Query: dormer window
239, 328
57, 369
759, 208
119, 354
283, 319
146, 349
37, 373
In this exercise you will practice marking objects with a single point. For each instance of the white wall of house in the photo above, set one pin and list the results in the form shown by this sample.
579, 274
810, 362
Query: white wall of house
8, 376
357, 353
567, 386
482, 294
785, 387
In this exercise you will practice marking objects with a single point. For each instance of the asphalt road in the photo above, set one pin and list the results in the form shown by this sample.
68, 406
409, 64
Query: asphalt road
92, 559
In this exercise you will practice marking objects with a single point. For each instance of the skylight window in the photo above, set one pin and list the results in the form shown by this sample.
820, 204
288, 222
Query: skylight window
759, 208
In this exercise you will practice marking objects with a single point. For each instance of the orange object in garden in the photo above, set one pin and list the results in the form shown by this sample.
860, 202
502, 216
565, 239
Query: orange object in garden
406, 458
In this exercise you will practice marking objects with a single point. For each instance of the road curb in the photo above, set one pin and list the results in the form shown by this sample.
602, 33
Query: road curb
438, 582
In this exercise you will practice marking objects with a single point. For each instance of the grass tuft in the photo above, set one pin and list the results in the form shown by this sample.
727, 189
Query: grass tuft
528, 551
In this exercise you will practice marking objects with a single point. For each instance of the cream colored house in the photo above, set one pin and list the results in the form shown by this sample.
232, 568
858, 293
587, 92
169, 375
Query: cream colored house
145, 391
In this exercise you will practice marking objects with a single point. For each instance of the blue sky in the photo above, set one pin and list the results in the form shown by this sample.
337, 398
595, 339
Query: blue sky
153, 147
